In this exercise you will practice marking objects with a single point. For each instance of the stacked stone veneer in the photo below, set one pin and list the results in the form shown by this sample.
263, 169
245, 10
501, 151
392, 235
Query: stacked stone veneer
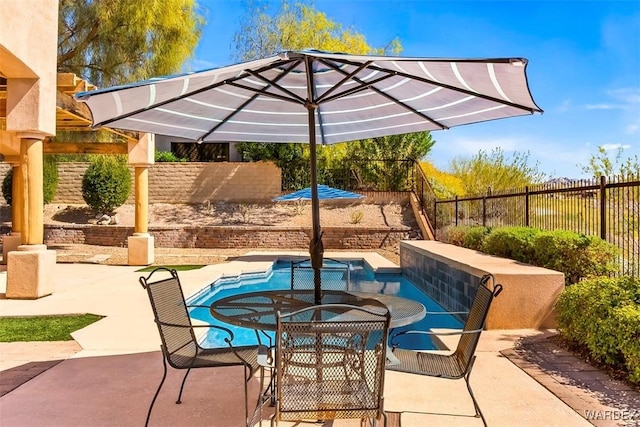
192, 182
449, 286
450, 274
228, 237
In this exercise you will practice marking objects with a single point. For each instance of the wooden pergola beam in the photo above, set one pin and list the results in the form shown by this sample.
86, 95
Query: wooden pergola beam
85, 148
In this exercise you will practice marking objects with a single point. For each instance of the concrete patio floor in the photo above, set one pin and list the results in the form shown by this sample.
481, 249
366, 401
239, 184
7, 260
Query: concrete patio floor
110, 375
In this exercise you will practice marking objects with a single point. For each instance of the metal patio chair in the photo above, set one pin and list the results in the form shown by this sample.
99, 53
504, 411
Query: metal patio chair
330, 363
180, 347
459, 363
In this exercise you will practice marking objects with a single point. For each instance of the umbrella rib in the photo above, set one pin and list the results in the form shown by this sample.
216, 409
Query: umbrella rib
277, 86
229, 81
257, 93
341, 82
456, 89
363, 86
370, 85
227, 118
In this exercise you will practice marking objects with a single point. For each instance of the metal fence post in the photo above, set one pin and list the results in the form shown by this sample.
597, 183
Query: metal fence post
456, 211
603, 207
484, 211
435, 218
526, 206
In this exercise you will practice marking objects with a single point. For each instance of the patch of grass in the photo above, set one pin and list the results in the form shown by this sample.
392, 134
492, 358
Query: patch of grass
170, 267
43, 328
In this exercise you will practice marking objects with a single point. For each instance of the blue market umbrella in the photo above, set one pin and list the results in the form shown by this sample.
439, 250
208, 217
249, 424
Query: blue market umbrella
319, 98
324, 193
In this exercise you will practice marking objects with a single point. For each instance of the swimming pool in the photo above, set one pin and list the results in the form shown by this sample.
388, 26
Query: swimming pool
361, 279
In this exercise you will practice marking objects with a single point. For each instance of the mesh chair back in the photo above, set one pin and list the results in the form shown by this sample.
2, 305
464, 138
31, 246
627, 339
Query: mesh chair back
475, 321
171, 317
330, 362
334, 275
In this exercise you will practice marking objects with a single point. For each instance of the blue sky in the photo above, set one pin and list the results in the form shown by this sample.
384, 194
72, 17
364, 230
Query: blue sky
584, 66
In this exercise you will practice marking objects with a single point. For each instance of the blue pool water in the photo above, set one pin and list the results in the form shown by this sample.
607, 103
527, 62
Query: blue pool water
362, 279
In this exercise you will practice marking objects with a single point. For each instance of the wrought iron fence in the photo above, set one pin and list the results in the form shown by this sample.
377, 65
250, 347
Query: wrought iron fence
363, 175
605, 207
608, 208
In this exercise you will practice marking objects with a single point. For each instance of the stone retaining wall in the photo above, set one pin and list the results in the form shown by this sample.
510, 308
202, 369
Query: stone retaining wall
192, 182
450, 275
227, 237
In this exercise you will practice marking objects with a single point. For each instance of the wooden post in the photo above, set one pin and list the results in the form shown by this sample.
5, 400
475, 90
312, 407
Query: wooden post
32, 204
16, 198
141, 199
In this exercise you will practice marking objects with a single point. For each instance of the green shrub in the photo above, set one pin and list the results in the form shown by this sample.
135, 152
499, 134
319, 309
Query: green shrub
603, 315
474, 238
7, 184
106, 183
511, 242
576, 255
49, 181
455, 234
628, 324
167, 156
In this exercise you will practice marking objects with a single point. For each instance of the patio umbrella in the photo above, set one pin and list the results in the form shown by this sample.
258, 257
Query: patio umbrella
324, 193
319, 98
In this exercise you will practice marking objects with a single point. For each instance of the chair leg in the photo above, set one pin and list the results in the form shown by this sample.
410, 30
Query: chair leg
473, 398
247, 377
179, 401
155, 396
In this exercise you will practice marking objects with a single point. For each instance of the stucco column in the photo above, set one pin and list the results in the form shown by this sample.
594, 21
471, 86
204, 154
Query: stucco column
141, 244
11, 241
30, 267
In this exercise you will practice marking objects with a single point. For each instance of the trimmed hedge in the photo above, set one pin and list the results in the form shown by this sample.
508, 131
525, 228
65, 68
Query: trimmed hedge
106, 183
603, 314
475, 237
574, 254
511, 242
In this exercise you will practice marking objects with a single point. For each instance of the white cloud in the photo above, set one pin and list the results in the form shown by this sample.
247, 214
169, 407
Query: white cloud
623, 99
631, 129
628, 95
611, 147
604, 107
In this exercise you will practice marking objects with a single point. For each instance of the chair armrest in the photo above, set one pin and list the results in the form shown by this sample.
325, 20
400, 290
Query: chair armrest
174, 325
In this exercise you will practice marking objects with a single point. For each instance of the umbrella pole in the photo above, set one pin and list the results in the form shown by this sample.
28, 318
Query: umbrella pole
316, 249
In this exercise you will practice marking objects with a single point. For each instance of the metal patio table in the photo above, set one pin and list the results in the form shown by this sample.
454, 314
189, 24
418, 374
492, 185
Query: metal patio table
258, 310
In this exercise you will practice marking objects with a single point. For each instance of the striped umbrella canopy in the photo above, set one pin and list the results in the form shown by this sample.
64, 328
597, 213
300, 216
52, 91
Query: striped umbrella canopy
319, 98
324, 193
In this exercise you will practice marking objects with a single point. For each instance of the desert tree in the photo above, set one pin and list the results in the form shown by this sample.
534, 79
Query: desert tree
119, 41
